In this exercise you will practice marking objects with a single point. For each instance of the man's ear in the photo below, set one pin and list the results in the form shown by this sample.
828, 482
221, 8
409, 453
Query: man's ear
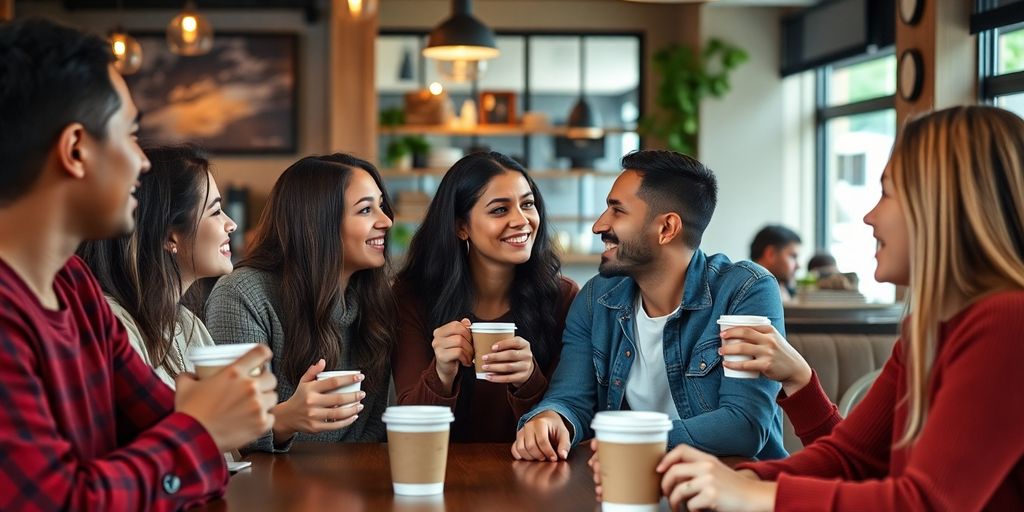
670, 227
71, 150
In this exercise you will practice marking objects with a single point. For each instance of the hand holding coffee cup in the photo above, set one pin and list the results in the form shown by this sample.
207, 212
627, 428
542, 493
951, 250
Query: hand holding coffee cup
453, 345
725, 324
487, 335
230, 403
315, 406
773, 356
510, 362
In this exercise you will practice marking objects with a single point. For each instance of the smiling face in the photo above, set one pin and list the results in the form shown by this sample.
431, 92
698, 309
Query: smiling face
364, 224
502, 224
890, 230
625, 229
116, 162
210, 253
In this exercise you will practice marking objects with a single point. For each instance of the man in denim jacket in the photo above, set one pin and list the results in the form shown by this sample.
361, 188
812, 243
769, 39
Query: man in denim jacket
643, 334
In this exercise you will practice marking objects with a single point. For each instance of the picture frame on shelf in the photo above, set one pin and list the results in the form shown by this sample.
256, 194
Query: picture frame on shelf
240, 98
497, 107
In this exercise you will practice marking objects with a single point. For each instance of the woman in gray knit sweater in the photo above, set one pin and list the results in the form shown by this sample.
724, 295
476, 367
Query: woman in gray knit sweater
314, 288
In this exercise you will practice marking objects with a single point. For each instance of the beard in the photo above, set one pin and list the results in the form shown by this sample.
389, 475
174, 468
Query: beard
630, 256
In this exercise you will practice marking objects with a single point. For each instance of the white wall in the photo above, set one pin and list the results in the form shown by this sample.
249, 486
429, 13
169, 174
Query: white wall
758, 139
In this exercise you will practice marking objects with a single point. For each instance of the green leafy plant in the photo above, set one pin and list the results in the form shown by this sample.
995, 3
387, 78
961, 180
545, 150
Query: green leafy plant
399, 147
687, 78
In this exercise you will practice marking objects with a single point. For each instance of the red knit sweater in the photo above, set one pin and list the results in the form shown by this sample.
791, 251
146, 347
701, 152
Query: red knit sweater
969, 454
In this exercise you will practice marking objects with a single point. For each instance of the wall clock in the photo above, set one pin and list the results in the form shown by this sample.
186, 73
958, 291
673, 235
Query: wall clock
910, 74
910, 10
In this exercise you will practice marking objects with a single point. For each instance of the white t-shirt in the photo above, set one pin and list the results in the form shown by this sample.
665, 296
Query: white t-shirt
647, 388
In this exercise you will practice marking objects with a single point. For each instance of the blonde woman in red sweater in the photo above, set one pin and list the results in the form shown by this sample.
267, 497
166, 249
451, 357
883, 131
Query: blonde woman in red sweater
941, 427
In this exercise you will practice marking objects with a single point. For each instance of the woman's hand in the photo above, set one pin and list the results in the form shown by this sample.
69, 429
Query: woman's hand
773, 356
702, 482
313, 408
511, 362
453, 345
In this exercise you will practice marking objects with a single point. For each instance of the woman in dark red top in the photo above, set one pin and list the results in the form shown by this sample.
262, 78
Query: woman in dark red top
482, 254
940, 428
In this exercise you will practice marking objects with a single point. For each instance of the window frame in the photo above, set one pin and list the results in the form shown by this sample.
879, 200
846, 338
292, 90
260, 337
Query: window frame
825, 112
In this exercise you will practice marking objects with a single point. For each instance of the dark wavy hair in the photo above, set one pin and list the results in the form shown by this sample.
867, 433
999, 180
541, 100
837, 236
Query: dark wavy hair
136, 269
299, 239
437, 266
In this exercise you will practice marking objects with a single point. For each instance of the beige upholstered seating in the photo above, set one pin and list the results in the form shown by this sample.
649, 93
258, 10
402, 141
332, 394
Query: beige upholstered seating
840, 360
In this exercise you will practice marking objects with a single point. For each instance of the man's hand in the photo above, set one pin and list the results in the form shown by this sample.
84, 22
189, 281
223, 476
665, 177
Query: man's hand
233, 406
545, 437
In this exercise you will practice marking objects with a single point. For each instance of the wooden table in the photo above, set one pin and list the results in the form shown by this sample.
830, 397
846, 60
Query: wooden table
356, 477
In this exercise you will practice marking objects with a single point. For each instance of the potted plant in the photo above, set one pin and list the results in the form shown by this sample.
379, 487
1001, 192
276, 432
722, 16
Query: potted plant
407, 152
687, 77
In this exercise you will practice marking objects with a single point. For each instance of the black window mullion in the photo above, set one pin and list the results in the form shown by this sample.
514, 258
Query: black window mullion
821, 228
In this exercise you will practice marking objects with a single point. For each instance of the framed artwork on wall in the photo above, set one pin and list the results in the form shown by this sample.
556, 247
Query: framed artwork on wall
238, 98
497, 107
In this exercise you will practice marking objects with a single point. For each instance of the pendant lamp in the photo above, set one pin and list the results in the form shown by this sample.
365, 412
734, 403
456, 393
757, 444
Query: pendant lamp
461, 37
189, 33
582, 122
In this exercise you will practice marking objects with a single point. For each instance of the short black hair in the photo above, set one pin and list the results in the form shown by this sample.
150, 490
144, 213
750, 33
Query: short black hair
821, 259
772, 236
50, 76
674, 182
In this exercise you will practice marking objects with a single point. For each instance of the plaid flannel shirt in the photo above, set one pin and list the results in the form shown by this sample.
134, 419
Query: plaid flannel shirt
85, 424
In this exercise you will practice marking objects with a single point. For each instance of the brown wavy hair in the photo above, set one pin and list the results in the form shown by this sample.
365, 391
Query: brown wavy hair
299, 239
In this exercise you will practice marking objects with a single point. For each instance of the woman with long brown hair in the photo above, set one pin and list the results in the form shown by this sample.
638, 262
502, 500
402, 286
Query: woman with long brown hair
314, 287
181, 236
940, 428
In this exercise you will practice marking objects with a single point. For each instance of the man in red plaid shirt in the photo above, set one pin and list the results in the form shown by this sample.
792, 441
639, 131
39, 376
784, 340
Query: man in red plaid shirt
85, 424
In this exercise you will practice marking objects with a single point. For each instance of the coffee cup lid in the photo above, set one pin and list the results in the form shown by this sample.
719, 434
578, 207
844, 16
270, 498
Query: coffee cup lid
492, 327
632, 422
335, 373
418, 414
217, 352
743, 320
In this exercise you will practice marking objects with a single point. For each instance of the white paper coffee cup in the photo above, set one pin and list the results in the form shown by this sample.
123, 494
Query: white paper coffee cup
630, 444
485, 334
209, 360
418, 447
350, 388
730, 321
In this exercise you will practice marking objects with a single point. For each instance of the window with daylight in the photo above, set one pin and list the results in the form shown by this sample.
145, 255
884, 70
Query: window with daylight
856, 129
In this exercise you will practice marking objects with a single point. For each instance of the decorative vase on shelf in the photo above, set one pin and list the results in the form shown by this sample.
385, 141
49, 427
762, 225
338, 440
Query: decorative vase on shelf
467, 116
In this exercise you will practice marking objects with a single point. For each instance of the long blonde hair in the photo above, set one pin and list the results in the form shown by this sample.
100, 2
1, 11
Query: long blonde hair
959, 174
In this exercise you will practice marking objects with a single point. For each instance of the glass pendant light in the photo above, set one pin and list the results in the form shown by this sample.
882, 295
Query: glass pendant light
127, 51
360, 9
189, 33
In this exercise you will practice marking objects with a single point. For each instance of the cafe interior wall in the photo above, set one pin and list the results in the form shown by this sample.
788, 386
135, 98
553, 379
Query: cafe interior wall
759, 138
759, 115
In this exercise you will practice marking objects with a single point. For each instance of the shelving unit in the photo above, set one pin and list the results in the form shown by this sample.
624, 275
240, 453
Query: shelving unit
488, 130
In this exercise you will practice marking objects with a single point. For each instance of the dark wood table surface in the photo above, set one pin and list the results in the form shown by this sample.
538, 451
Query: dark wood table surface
356, 477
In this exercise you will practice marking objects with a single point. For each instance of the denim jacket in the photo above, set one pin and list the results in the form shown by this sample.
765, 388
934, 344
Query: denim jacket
722, 416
